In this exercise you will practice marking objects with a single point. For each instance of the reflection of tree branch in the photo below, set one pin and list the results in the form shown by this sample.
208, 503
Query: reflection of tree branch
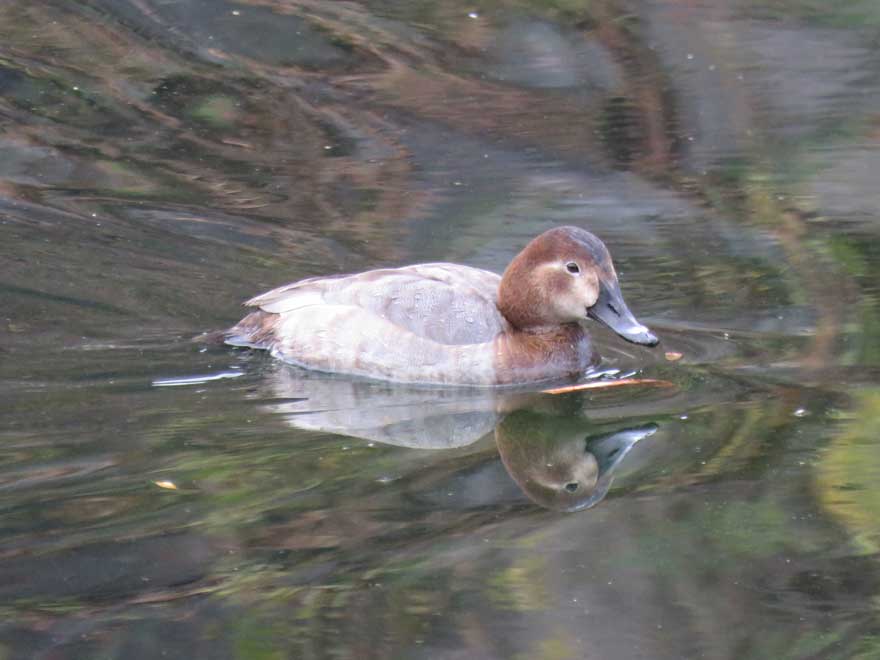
828, 301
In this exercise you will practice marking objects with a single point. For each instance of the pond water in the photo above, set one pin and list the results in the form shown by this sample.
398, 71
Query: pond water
161, 161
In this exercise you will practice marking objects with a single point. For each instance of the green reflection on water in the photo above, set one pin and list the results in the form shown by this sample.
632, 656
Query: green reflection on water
849, 470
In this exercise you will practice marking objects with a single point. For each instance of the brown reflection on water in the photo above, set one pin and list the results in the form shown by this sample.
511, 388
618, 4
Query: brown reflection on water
287, 140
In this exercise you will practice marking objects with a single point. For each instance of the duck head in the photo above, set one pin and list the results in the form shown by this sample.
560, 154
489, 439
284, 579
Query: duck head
565, 275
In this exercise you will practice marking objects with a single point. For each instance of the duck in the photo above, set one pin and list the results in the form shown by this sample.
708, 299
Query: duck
451, 324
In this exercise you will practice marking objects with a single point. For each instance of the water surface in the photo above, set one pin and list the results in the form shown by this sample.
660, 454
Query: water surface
161, 497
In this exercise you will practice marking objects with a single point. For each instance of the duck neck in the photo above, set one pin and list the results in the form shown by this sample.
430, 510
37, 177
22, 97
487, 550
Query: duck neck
543, 353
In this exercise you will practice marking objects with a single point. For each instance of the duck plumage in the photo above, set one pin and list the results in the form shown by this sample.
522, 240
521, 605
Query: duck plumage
446, 323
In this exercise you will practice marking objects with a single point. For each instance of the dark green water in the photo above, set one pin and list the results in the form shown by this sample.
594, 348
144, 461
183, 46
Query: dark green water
161, 161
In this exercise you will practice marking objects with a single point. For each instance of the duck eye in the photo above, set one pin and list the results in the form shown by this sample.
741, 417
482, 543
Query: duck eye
572, 268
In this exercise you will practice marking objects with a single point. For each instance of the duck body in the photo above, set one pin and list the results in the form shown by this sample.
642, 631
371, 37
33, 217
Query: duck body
441, 323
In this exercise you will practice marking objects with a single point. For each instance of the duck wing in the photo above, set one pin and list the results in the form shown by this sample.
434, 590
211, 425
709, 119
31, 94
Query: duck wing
445, 303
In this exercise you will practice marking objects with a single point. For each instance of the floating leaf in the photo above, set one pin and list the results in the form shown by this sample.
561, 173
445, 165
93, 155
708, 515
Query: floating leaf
601, 384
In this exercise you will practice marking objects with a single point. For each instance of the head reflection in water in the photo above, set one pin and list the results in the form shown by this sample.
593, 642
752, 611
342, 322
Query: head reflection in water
556, 464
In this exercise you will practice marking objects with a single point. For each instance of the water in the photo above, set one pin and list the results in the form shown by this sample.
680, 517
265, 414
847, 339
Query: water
162, 161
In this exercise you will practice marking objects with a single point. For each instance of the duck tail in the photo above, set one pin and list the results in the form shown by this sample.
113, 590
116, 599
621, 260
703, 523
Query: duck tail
256, 330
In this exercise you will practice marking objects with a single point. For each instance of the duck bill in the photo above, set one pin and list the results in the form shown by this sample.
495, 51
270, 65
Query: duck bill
610, 448
611, 310
609, 451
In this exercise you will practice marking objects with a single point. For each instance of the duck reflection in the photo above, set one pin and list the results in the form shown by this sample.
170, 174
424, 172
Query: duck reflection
556, 464
378, 411
547, 445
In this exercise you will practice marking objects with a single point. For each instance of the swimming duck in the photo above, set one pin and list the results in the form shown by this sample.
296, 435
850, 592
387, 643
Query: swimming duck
449, 324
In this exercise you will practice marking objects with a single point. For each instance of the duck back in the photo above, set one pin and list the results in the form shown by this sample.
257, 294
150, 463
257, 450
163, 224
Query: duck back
417, 323
446, 303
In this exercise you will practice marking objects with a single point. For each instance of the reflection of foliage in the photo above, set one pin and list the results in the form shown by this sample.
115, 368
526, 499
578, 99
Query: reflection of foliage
621, 130
204, 98
740, 531
860, 258
848, 473
557, 646
840, 14
520, 586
